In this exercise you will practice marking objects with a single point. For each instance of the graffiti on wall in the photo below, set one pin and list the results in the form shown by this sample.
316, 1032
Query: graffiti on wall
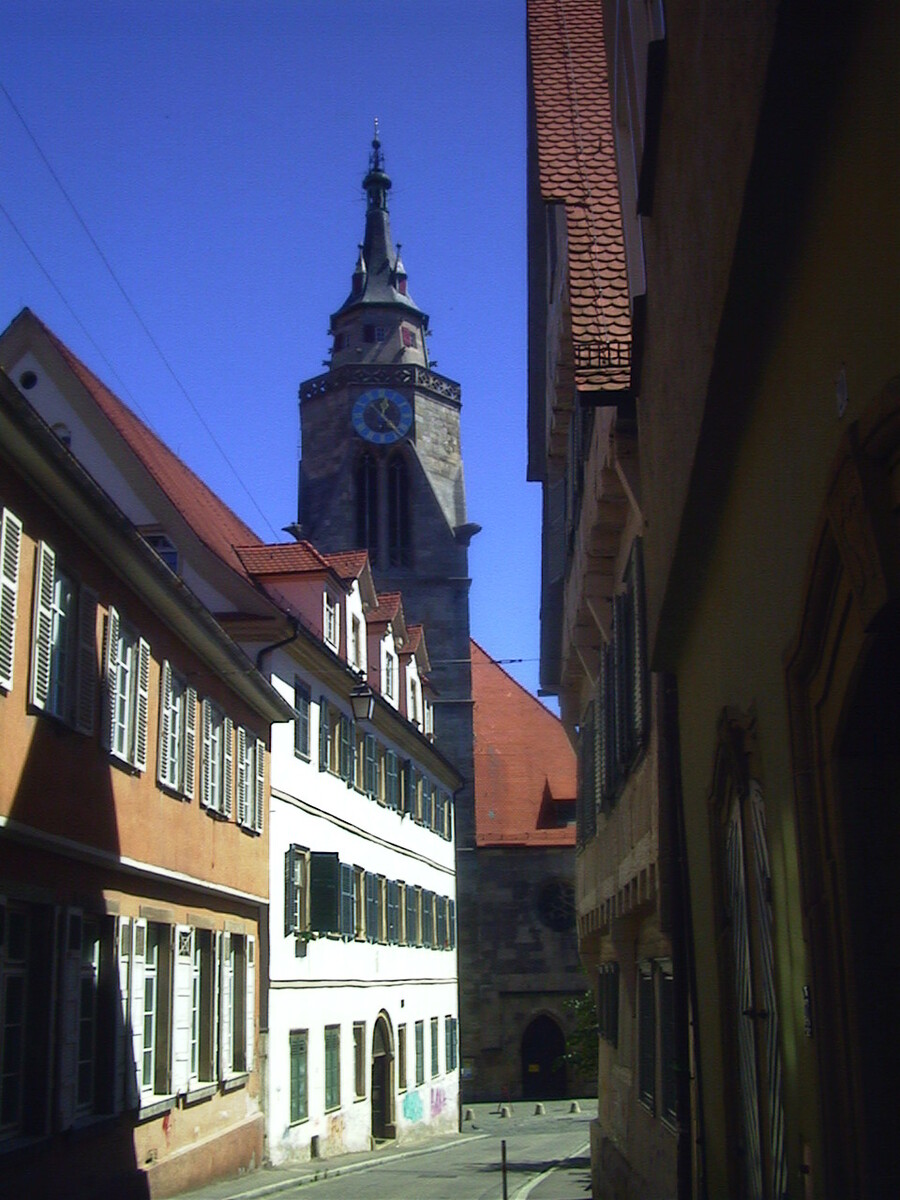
413, 1108
438, 1101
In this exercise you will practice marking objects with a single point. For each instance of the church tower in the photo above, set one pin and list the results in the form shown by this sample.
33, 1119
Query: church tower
381, 470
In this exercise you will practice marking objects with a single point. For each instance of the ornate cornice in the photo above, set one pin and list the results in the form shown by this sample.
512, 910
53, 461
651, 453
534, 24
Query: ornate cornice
382, 375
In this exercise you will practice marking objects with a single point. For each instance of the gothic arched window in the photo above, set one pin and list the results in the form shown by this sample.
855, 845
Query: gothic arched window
367, 504
398, 512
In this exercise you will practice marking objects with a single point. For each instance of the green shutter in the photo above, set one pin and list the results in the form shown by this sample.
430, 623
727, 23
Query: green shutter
289, 898
323, 734
324, 893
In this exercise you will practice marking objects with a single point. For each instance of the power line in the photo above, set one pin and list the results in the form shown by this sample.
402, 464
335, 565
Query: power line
21, 236
153, 342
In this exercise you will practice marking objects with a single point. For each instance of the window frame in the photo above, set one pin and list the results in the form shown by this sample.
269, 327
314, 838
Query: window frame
298, 1053
359, 1060
332, 1073
302, 701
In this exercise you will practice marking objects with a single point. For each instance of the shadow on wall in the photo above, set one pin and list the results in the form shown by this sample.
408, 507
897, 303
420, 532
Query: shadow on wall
68, 1085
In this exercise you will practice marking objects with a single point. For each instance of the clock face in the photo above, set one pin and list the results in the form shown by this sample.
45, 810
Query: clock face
381, 415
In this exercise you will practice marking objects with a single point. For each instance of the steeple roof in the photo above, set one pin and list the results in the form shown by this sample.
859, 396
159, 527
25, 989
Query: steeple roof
379, 276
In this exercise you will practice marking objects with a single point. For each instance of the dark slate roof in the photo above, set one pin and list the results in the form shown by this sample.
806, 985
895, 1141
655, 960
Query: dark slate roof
378, 255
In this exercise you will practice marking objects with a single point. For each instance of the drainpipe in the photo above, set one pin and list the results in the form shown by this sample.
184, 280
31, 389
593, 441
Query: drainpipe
292, 637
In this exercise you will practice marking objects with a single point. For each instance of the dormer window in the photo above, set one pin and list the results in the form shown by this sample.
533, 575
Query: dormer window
390, 675
414, 701
331, 625
164, 547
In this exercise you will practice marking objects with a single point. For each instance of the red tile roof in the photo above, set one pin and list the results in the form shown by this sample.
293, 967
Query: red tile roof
577, 163
349, 564
523, 762
389, 605
211, 519
281, 558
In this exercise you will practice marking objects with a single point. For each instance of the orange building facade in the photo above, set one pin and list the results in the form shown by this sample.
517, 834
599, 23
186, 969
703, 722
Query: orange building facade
133, 849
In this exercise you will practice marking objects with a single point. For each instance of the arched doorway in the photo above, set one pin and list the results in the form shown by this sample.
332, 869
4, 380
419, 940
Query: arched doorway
543, 1064
382, 1092
842, 676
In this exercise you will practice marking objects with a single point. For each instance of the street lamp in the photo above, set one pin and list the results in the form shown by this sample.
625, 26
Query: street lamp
362, 701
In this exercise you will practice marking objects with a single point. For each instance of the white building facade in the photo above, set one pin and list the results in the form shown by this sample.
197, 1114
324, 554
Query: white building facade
362, 1019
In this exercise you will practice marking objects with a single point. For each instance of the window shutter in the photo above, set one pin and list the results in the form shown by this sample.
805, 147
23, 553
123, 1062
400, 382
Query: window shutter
67, 1096
228, 768
142, 706
136, 1007
259, 785
190, 742
110, 676
390, 779
451, 922
10, 553
86, 670
182, 1008
243, 797
124, 1071
323, 734
205, 780
250, 1003
324, 892
640, 681
165, 717
226, 1000
45, 565
371, 907
347, 924
290, 902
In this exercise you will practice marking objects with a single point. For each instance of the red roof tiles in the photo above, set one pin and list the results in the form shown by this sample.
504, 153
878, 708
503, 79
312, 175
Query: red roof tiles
577, 163
281, 558
349, 564
523, 762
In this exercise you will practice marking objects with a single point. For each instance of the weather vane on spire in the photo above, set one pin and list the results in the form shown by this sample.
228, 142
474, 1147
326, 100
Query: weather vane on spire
376, 162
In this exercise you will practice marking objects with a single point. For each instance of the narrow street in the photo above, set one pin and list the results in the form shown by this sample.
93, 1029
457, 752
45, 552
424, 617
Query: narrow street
547, 1159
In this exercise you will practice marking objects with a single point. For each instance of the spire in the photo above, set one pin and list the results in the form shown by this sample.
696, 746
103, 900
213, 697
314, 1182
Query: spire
379, 277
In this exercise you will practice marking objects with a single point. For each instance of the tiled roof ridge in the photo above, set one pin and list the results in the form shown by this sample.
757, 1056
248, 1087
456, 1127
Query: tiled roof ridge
350, 561
389, 604
120, 417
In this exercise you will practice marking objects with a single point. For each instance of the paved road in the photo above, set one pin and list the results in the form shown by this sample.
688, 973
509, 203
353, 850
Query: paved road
547, 1159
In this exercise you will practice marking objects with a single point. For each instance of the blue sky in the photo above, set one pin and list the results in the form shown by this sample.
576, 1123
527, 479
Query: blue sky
215, 151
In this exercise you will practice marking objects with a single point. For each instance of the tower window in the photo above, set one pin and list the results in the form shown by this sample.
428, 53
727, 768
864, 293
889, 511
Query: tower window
398, 512
367, 504
374, 333
409, 336
341, 341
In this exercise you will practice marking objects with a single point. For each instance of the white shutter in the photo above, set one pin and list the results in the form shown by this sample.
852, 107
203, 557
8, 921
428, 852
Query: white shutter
182, 1007
250, 1002
165, 717
259, 790
42, 628
190, 741
206, 719
10, 552
86, 672
124, 1081
110, 676
228, 767
142, 706
226, 999
136, 1008
243, 789
67, 1095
